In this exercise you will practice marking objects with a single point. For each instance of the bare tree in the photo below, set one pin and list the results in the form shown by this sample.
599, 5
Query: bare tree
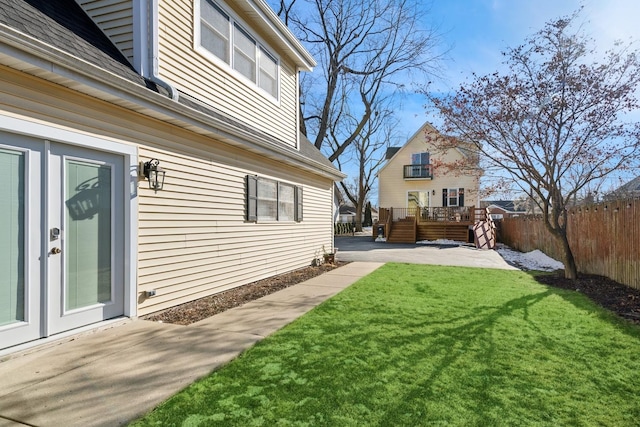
285, 9
365, 49
366, 154
554, 121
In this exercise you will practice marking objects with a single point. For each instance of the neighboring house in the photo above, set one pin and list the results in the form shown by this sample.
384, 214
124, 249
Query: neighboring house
348, 214
338, 202
408, 179
91, 92
629, 190
500, 209
411, 182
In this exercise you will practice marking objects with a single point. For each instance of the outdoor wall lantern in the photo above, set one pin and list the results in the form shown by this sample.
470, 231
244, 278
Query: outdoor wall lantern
433, 192
154, 174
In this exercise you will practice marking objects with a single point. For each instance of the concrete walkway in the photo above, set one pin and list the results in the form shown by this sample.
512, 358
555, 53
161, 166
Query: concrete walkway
111, 376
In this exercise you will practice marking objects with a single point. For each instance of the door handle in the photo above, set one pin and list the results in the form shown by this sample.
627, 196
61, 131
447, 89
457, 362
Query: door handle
56, 251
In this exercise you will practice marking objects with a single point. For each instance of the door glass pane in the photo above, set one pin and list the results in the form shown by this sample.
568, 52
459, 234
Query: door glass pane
417, 199
88, 234
12, 256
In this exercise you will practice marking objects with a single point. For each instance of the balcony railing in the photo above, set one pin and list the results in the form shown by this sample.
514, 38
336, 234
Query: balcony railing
417, 171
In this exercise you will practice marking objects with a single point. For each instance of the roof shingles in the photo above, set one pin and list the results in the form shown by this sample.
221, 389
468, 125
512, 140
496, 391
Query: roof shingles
63, 25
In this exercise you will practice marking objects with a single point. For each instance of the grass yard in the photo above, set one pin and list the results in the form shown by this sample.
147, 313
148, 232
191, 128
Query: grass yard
413, 345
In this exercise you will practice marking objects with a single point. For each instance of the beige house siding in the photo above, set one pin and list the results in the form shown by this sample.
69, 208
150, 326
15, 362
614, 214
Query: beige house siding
193, 238
115, 19
393, 188
216, 84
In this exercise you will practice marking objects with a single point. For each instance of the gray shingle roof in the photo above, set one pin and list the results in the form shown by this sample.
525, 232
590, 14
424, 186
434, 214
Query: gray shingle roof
507, 205
632, 186
63, 25
391, 151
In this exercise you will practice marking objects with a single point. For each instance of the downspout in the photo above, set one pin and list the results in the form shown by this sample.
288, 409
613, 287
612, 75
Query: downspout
146, 39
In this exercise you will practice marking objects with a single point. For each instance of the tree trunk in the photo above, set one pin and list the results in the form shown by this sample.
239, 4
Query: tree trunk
359, 215
570, 268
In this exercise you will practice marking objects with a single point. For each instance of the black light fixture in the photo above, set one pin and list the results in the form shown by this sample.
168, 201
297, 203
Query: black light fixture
154, 174
433, 192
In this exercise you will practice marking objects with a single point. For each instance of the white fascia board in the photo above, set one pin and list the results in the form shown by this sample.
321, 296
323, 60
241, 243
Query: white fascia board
280, 32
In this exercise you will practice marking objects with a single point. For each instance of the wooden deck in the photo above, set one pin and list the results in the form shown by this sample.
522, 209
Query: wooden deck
412, 225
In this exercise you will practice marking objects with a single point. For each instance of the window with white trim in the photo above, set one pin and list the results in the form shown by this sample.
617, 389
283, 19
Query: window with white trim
214, 30
269, 200
244, 53
453, 197
227, 39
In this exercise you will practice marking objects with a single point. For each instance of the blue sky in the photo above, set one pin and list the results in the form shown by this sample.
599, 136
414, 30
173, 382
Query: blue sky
477, 31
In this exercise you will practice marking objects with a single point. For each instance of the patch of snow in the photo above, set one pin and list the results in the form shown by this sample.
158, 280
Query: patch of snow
534, 260
440, 242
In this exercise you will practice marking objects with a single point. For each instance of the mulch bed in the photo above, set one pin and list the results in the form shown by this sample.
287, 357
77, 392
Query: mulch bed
607, 293
202, 308
618, 298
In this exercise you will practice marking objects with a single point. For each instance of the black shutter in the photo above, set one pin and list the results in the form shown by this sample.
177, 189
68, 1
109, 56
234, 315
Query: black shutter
252, 198
461, 197
298, 204
445, 197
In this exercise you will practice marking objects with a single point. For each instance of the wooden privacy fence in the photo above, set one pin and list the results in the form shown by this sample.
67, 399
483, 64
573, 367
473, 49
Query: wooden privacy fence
604, 238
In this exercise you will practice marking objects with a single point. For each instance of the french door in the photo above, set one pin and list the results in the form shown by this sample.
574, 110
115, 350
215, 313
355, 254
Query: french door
61, 238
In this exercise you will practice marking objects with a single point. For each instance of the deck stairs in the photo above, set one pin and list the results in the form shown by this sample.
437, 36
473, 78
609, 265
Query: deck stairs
403, 231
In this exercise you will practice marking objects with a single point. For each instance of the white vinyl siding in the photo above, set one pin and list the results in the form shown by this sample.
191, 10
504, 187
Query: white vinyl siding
194, 240
115, 19
221, 87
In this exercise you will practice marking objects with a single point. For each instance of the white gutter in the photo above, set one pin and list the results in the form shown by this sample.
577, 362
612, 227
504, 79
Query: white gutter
145, 31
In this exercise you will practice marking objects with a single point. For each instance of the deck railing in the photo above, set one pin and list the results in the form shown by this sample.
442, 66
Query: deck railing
468, 214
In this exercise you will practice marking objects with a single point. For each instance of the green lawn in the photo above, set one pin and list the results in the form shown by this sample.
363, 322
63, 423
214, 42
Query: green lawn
413, 345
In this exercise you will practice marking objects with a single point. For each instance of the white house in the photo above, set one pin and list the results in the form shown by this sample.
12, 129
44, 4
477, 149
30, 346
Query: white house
96, 95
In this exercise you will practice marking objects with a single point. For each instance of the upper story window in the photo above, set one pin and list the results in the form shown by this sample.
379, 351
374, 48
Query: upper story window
419, 167
223, 36
420, 158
